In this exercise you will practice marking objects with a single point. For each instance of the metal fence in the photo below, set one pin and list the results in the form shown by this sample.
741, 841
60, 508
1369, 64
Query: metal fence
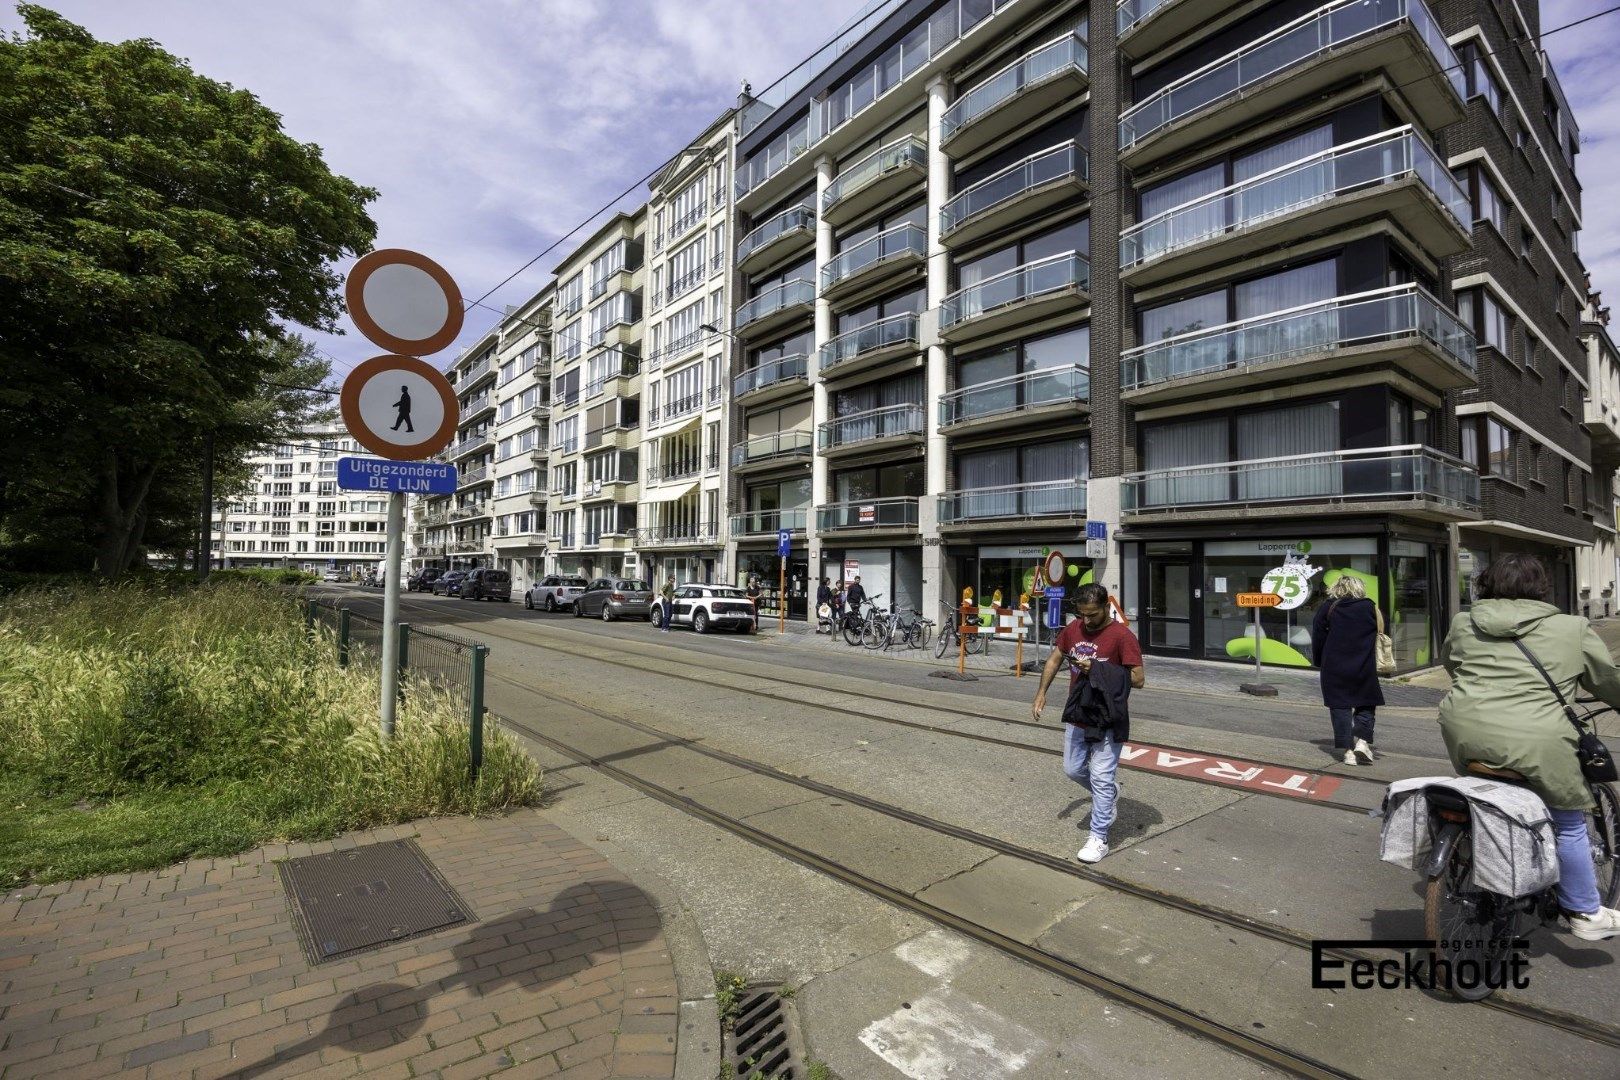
428, 659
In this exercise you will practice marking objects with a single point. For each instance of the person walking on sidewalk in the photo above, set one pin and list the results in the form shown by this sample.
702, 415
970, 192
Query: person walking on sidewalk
669, 602
1105, 665
1344, 645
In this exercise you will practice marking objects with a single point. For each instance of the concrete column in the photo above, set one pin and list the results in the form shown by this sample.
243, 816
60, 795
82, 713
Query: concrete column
819, 412
934, 564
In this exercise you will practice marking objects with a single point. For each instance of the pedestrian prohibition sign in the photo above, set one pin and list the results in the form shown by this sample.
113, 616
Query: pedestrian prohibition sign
399, 407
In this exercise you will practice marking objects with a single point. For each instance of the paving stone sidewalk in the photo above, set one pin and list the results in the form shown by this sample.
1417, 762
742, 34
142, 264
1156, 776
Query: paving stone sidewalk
196, 971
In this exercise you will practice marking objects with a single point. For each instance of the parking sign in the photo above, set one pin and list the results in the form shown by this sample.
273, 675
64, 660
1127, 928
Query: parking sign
784, 542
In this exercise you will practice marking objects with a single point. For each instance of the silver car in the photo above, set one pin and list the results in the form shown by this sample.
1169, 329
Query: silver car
615, 598
554, 591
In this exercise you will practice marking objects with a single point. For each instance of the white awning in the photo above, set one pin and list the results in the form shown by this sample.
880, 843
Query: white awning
686, 424
669, 493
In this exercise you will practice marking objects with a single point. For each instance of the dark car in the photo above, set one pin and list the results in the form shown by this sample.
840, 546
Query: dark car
423, 579
487, 584
449, 583
613, 598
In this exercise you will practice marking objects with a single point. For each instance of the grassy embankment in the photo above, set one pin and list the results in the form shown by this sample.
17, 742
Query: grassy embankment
141, 725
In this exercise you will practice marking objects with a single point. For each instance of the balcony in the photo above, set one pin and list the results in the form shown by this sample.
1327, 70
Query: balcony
472, 478
1146, 26
475, 375
1030, 87
469, 446
1023, 294
1315, 52
1412, 480
868, 347
1048, 503
1041, 182
874, 260
1402, 325
674, 470
681, 226
771, 451
478, 406
620, 336
504, 541
683, 285
1603, 423
619, 277
607, 489
768, 522
891, 425
678, 349
470, 513
786, 232
773, 379
617, 437
689, 534
875, 179
615, 378
1394, 175
466, 547
868, 515
776, 307
1046, 394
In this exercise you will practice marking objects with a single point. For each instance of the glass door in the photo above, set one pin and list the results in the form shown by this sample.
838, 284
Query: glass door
1168, 614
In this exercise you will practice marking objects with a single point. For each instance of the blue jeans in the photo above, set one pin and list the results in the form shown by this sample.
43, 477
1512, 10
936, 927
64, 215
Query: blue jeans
1577, 877
1350, 725
665, 609
1092, 765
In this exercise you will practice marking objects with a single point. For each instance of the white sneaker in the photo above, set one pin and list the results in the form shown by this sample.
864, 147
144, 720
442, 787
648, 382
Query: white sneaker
1096, 847
1363, 753
1350, 758
1601, 925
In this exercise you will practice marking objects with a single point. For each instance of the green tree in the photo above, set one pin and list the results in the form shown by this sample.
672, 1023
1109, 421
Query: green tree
158, 233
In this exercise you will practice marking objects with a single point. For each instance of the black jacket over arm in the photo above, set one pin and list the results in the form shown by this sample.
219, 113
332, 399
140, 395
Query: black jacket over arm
1343, 646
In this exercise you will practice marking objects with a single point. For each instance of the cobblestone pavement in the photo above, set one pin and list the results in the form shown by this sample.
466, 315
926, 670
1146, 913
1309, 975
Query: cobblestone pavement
196, 971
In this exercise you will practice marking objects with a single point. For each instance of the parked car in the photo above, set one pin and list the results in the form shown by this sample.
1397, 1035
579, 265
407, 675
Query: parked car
703, 607
332, 575
554, 591
423, 579
449, 583
487, 584
615, 598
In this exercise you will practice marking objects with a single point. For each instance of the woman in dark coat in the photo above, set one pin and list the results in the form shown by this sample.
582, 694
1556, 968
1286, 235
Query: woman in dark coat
1344, 646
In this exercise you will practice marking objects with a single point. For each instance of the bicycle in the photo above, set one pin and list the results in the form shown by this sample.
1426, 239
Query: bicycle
950, 633
1471, 924
895, 626
855, 622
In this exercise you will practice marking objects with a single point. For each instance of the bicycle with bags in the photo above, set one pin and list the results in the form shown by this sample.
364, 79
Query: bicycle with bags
950, 633
855, 622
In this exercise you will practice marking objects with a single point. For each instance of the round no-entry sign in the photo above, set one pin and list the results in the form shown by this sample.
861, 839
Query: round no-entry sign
403, 301
400, 407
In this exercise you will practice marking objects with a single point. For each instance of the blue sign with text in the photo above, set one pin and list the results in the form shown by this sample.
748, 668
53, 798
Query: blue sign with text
412, 477
784, 542
1096, 530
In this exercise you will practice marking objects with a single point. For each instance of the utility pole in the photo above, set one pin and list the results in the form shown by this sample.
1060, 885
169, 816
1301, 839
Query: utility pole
205, 549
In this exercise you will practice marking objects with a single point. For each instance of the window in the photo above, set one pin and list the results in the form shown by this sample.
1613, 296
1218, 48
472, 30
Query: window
1491, 447
1492, 325
571, 295
687, 269
1534, 353
1480, 79
1488, 202
1535, 462
1527, 243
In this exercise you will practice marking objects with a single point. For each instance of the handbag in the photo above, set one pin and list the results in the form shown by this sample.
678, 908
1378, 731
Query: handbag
1384, 648
1597, 765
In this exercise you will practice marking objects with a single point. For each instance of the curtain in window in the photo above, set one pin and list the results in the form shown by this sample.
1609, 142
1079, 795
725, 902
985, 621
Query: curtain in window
1190, 442
1183, 317
1286, 191
1188, 225
1059, 467
988, 469
975, 371
1289, 433
1290, 289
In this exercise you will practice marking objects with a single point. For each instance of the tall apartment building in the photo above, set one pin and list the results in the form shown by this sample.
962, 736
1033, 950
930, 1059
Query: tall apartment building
294, 516
1238, 281
680, 512
1597, 569
597, 329
522, 441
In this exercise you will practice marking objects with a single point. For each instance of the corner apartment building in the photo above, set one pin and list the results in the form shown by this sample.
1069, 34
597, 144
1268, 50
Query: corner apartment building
522, 441
294, 516
1597, 570
454, 531
1237, 281
594, 454
680, 513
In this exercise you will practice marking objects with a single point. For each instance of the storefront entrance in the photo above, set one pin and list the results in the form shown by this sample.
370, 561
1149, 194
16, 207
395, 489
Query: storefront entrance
1168, 624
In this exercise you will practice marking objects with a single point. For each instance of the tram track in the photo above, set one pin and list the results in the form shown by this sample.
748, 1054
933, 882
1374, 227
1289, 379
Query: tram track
1572, 1024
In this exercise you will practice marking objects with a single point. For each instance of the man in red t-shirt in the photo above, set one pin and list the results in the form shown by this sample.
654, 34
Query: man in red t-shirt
1093, 638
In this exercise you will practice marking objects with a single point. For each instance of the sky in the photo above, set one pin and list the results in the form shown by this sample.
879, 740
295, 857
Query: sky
494, 127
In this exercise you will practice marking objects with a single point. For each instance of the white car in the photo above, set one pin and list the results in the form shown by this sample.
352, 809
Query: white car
554, 592
333, 575
703, 607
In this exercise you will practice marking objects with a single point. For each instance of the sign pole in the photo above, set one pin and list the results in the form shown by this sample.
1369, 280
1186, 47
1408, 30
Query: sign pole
390, 628
781, 596
1257, 643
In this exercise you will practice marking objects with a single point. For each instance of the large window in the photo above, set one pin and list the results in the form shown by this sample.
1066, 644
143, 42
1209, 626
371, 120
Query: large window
1490, 446
1168, 194
1074, 236
1482, 313
1280, 290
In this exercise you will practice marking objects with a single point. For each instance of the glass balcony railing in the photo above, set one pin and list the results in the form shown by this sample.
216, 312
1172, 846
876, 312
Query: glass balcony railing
1328, 27
1411, 472
775, 445
888, 422
1067, 53
1132, 12
797, 218
771, 373
1015, 394
1018, 285
909, 151
894, 513
895, 330
768, 522
1401, 311
1378, 159
1065, 162
476, 372
1060, 498
902, 240
774, 299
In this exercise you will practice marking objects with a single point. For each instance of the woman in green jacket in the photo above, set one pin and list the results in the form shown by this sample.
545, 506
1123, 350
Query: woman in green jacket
1501, 713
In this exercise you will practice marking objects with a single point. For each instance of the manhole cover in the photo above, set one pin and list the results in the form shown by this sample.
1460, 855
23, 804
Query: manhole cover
764, 1039
345, 902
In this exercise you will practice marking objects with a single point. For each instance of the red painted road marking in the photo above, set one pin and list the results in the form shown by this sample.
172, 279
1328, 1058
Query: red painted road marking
1230, 772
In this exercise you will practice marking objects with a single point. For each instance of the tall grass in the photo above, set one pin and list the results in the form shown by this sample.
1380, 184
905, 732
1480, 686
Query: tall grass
140, 725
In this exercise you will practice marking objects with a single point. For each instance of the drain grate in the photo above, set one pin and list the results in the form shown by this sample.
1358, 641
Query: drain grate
764, 1042
347, 902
